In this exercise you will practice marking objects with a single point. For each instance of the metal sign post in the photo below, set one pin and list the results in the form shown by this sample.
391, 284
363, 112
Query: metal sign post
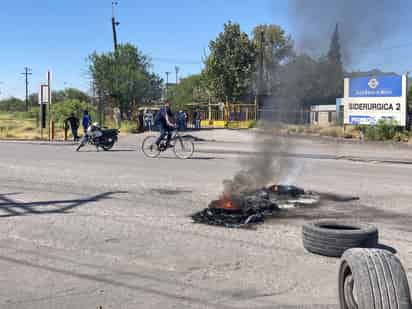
43, 101
49, 104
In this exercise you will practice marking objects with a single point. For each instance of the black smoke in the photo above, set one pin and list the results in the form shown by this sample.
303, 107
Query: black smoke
364, 25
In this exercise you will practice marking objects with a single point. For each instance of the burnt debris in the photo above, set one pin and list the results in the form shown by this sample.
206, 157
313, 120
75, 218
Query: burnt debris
247, 209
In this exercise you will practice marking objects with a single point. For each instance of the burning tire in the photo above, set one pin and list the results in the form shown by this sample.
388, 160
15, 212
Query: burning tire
333, 238
372, 279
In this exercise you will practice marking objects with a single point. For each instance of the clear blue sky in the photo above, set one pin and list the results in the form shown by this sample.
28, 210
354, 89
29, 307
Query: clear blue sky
61, 34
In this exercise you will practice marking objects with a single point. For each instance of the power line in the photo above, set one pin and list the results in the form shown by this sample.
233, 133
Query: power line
114, 24
27, 72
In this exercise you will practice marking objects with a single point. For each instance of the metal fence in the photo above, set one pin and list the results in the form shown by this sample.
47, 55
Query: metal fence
230, 112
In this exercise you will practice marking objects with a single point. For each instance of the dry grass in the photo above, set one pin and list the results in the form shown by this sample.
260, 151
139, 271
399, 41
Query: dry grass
14, 127
335, 131
332, 131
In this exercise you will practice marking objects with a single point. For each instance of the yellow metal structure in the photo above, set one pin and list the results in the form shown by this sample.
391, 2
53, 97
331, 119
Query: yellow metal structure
241, 116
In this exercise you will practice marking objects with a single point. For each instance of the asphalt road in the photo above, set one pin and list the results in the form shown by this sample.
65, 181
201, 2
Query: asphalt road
111, 229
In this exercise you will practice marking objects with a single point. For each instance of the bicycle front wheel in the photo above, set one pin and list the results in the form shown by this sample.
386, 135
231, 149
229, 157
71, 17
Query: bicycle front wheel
149, 147
184, 148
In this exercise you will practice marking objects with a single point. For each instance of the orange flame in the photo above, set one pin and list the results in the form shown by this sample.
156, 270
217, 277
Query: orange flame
226, 202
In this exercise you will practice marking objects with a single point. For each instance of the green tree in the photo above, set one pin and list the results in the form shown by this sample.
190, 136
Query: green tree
63, 109
190, 89
34, 99
299, 82
230, 67
70, 94
12, 105
332, 68
277, 48
125, 76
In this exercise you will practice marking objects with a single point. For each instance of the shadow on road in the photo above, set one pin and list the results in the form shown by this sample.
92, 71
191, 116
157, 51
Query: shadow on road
10, 207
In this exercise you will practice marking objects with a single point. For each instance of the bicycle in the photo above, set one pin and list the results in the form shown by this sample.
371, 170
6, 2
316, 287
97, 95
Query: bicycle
183, 147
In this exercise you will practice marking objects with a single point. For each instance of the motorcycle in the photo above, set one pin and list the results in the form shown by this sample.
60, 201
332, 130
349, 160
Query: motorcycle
99, 137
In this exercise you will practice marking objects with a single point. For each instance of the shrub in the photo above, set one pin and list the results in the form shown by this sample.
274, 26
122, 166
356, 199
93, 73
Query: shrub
385, 130
402, 136
252, 124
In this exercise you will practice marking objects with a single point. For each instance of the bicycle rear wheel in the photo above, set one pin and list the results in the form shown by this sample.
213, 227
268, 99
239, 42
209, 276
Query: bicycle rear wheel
183, 148
149, 147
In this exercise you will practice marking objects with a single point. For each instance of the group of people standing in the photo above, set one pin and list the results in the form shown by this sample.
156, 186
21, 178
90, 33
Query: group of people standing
146, 120
74, 123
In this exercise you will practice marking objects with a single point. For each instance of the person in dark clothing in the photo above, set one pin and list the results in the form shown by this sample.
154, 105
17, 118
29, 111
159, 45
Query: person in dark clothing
86, 121
198, 120
194, 117
140, 118
180, 121
74, 125
186, 119
166, 123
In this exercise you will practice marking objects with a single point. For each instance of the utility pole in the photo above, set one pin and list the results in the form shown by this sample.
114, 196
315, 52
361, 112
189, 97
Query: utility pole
177, 69
114, 24
167, 83
261, 59
27, 72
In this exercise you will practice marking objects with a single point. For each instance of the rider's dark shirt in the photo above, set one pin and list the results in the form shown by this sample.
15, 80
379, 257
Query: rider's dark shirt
163, 111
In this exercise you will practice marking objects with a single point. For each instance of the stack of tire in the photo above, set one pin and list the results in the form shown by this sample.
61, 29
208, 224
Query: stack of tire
369, 278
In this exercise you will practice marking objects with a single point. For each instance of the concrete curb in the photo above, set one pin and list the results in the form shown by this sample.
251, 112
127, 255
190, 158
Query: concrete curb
37, 142
312, 156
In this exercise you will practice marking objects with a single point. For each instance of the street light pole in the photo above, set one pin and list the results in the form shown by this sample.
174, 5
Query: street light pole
177, 69
167, 83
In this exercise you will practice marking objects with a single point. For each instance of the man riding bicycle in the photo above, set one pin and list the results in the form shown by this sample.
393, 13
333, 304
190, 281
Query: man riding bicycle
166, 122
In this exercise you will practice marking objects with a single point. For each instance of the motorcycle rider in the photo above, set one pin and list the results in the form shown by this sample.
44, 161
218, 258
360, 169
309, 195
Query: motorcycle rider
166, 122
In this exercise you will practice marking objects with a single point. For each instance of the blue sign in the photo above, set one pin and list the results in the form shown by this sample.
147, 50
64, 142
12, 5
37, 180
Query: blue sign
354, 120
369, 120
378, 86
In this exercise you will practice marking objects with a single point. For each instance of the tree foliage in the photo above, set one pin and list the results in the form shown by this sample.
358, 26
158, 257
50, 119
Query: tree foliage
125, 76
299, 82
62, 109
190, 89
12, 105
230, 67
277, 49
70, 94
332, 67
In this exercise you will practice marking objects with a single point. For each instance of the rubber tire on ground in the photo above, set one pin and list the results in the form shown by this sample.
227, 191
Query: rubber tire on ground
380, 275
333, 238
